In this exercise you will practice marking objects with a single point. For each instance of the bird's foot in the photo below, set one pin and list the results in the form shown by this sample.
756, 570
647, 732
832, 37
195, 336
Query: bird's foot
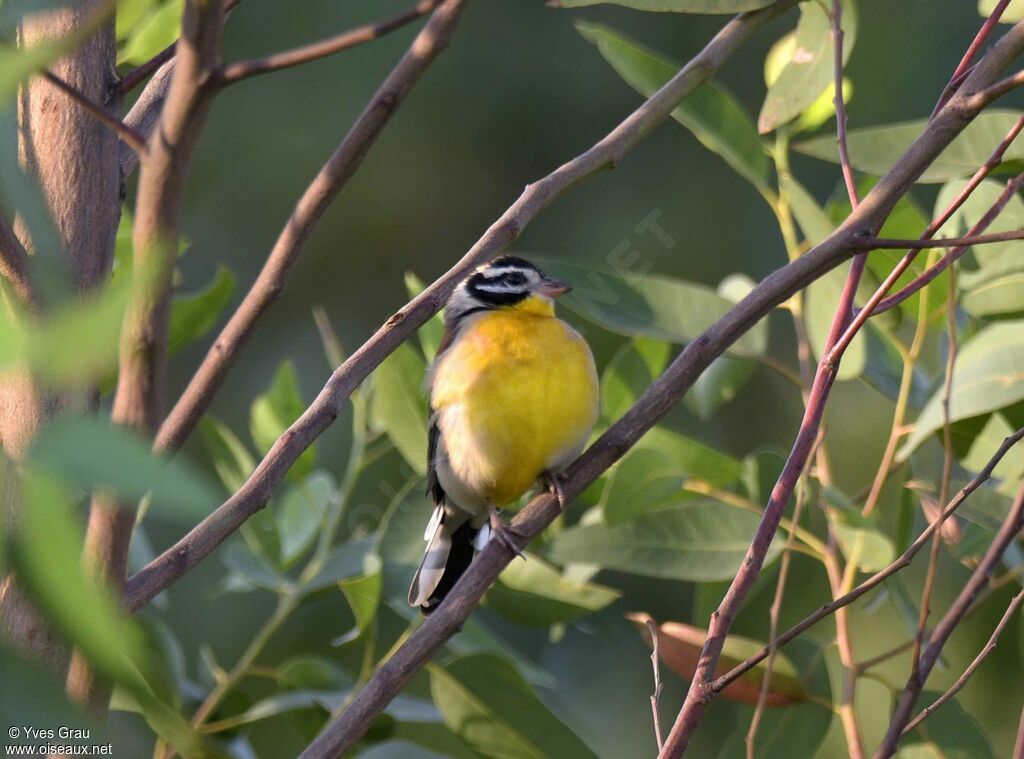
507, 535
553, 483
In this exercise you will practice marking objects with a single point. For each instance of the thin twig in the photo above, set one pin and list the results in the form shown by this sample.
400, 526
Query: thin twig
929, 274
14, 267
882, 243
982, 655
656, 696
963, 67
948, 459
307, 213
129, 136
905, 705
774, 613
253, 495
879, 577
997, 90
236, 72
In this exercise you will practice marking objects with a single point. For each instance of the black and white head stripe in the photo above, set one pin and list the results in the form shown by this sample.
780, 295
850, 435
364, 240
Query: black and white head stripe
503, 282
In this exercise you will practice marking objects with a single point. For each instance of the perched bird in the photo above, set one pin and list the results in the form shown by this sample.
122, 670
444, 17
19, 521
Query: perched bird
513, 399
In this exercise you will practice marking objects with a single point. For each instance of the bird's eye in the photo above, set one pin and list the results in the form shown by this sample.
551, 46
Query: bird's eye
515, 278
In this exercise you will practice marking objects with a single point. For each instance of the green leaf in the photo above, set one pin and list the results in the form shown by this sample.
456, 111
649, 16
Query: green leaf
249, 571
484, 701
714, 116
306, 672
89, 453
1014, 11
810, 69
630, 372
950, 733
230, 458
720, 382
873, 150
431, 333
650, 476
859, 537
535, 594
698, 540
1001, 296
192, 316
674, 6
987, 377
399, 406
363, 594
650, 305
274, 411
151, 35
48, 563
343, 562
301, 513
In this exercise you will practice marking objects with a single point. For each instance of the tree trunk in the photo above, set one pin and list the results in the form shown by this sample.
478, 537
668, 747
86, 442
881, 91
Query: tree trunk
75, 160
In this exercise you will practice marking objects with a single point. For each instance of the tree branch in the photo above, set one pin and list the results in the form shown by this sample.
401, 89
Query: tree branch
882, 575
236, 72
982, 655
1007, 533
138, 398
308, 211
129, 136
253, 495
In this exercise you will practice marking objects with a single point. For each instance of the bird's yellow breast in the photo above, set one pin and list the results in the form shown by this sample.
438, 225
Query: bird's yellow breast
516, 395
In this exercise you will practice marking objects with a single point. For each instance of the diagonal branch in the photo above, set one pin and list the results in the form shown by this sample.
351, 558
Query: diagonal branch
236, 72
129, 136
253, 495
308, 211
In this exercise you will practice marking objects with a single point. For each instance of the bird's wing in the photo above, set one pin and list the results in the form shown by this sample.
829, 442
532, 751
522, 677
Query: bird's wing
434, 489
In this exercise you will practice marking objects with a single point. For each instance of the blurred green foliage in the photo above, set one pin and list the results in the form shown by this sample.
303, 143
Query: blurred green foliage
272, 635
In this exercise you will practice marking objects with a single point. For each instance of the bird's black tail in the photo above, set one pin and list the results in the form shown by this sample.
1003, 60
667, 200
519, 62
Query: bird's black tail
448, 555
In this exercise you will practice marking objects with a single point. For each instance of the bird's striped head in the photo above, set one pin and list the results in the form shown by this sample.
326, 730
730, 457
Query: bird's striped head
505, 282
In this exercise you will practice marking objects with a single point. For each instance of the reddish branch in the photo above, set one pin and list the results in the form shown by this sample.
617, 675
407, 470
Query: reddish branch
303, 220
722, 619
993, 641
904, 707
960, 73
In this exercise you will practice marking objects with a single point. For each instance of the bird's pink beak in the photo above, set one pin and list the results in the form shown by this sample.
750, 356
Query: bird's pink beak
553, 288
